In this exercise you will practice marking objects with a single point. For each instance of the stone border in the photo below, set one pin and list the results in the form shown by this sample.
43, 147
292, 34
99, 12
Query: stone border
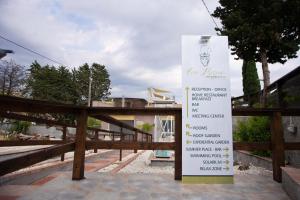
246, 158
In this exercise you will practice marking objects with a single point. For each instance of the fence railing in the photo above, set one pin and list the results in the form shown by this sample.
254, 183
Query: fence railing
12, 107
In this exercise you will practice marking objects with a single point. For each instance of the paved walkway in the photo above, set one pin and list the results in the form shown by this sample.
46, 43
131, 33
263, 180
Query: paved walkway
144, 186
114, 185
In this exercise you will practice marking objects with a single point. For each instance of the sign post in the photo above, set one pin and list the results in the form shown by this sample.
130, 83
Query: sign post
207, 150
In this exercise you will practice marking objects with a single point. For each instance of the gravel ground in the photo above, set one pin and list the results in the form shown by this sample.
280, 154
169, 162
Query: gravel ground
116, 164
141, 165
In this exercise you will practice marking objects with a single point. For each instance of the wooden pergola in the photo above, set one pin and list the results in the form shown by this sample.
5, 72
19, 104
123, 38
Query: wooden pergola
19, 109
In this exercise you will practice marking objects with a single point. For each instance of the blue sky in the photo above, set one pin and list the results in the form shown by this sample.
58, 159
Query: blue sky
137, 40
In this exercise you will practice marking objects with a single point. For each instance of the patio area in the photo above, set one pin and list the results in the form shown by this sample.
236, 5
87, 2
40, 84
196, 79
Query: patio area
143, 186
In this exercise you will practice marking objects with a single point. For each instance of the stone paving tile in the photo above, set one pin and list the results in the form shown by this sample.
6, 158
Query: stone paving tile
44, 180
16, 190
154, 186
4, 197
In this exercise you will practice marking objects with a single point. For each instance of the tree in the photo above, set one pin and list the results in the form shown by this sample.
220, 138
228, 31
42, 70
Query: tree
251, 84
100, 82
12, 77
264, 31
51, 84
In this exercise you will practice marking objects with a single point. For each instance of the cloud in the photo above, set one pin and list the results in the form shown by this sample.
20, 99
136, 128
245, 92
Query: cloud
137, 40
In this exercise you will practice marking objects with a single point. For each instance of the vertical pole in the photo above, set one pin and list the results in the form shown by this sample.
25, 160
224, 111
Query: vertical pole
178, 146
96, 139
277, 141
135, 140
78, 163
64, 138
121, 139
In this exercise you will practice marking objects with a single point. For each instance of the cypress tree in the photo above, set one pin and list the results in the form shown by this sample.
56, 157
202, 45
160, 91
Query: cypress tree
251, 84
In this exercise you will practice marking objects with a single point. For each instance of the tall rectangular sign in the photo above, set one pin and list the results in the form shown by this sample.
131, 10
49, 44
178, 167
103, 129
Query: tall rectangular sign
207, 149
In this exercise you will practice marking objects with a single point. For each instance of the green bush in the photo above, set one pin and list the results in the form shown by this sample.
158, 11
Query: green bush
146, 127
20, 126
255, 129
92, 122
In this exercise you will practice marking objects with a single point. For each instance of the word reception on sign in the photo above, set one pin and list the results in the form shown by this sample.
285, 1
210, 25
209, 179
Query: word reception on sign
207, 149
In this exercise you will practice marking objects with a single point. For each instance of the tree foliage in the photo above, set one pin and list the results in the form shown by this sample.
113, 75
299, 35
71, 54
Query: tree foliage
251, 84
19, 126
62, 85
254, 27
100, 82
12, 77
146, 127
254, 129
49, 83
264, 31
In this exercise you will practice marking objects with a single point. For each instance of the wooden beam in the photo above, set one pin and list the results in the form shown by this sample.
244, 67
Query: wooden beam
16, 163
121, 139
78, 163
130, 145
16, 104
292, 146
277, 141
178, 147
64, 138
132, 111
135, 139
33, 119
47, 121
174, 111
4, 143
251, 112
251, 146
96, 139
116, 122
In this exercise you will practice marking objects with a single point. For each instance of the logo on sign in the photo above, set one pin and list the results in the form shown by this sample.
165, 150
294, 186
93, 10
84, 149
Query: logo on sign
204, 55
204, 50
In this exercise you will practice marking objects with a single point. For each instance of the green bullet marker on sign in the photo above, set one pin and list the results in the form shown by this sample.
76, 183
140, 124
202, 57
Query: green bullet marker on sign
226, 149
226, 168
188, 142
226, 162
226, 155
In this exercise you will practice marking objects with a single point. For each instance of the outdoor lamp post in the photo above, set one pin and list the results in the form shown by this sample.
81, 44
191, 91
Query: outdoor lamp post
4, 52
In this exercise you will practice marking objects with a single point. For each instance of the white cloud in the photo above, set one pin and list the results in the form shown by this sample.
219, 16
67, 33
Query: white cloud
138, 40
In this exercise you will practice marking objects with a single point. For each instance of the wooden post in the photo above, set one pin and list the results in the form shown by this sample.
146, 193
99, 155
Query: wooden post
96, 139
277, 141
121, 139
178, 146
78, 163
64, 138
135, 140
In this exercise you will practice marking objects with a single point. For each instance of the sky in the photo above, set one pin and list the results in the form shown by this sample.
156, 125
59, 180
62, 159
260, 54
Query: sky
139, 41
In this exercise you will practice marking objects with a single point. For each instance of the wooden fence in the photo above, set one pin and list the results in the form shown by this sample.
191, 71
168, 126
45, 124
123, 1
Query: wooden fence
14, 108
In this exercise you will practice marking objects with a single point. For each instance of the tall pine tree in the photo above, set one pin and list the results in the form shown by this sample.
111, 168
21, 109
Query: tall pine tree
264, 31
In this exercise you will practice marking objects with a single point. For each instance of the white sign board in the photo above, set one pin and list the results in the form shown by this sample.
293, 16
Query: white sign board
206, 107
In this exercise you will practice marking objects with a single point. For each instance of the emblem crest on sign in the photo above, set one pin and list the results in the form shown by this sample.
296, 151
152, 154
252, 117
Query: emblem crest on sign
204, 51
204, 55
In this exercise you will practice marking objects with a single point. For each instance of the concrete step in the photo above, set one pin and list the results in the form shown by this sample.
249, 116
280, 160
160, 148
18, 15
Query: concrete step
291, 182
